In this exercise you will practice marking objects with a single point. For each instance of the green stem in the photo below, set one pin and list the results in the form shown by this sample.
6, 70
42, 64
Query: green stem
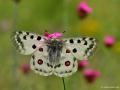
65, 25
15, 16
63, 83
65, 15
15, 63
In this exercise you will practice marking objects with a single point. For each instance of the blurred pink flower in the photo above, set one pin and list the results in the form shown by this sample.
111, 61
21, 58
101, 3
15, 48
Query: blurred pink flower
25, 68
91, 75
83, 9
5, 25
82, 64
84, 6
109, 40
53, 35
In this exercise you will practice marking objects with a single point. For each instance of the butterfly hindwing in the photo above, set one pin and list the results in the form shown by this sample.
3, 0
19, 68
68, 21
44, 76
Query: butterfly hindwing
26, 42
82, 47
40, 63
67, 65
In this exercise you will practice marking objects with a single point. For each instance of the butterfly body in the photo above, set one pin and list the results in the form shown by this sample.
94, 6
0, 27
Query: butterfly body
54, 49
53, 55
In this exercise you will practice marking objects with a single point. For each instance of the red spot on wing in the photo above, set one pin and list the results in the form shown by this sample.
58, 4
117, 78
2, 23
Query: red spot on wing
67, 63
67, 51
40, 61
41, 49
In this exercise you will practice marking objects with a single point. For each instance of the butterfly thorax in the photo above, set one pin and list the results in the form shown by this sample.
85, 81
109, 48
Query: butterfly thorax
54, 49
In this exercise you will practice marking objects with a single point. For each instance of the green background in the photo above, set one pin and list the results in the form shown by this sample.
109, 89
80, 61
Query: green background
59, 15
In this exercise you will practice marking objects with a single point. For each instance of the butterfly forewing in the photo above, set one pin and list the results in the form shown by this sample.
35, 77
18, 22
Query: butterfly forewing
26, 42
82, 47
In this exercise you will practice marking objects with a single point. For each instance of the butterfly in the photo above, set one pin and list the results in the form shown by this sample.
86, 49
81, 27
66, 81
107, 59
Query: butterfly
53, 55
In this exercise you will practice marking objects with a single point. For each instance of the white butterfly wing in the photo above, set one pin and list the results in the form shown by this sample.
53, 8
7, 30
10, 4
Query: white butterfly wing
40, 63
82, 47
26, 42
67, 66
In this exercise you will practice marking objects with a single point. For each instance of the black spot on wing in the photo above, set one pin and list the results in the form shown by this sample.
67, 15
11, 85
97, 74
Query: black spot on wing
73, 65
74, 58
63, 72
33, 57
71, 41
68, 71
49, 65
34, 46
45, 71
38, 38
24, 37
78, 41
89, 48
27, 33
57, 66
41, 70
91, 38
85, 42
86, 51
19, 41
20, 32
83, 38
74, 50
33, 62
36, 69
31, 36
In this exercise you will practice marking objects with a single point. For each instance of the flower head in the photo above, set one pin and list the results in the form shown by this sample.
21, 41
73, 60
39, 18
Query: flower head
91, 75
25, 68
46, 34
82, 64
53, 35
109, 41
83, 9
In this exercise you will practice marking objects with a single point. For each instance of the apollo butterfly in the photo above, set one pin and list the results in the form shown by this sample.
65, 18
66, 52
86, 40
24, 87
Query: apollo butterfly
53, 55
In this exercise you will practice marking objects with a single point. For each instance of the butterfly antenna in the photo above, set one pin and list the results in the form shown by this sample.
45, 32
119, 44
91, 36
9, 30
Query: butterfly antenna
64, 31
46, 30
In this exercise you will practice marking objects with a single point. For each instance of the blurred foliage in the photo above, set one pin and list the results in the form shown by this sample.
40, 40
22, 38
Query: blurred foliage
59, 15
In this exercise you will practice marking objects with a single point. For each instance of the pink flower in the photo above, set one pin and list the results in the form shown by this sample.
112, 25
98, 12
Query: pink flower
25, 68
83, 9
46, 34
82, 64
84, 6
109, 40
53, 35
91, 75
